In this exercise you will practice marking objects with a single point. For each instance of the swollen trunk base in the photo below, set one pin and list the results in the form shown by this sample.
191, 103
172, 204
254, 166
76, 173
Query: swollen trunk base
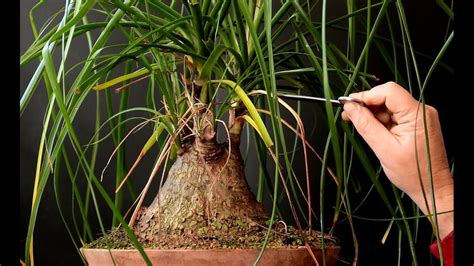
205, 184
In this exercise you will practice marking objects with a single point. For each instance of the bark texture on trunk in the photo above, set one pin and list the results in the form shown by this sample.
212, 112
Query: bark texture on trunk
206, 183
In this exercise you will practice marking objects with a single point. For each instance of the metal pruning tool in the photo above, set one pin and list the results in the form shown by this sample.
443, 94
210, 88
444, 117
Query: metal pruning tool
340, 101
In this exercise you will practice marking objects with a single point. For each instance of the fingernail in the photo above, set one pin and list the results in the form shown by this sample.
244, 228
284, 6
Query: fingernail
355, 95
351, 107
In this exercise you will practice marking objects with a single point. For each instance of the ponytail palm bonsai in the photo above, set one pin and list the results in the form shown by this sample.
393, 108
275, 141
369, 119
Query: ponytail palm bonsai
207, 65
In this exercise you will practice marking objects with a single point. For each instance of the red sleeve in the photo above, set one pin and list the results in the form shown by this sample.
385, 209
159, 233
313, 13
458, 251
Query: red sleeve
447, 245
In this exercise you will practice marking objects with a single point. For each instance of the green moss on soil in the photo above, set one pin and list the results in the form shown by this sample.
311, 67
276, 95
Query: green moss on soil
234, 234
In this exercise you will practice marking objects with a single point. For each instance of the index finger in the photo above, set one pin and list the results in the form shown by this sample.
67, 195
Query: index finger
395, 98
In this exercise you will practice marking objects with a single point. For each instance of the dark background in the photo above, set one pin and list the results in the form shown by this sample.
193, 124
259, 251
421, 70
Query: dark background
52, 244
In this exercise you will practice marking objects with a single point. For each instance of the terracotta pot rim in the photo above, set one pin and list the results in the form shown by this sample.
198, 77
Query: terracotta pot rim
209, 249
215, 257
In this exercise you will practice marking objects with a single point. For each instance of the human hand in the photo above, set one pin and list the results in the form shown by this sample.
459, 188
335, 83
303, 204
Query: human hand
390, 124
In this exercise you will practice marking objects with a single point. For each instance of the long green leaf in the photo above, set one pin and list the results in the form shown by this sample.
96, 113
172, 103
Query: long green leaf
259, 125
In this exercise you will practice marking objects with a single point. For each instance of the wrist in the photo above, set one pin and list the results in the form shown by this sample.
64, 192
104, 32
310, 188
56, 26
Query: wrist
445, 224
444, 199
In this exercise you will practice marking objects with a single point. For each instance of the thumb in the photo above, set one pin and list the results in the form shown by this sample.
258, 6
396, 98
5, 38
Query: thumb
372, 130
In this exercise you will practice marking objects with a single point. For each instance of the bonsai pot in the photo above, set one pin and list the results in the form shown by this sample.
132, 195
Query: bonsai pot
228, 257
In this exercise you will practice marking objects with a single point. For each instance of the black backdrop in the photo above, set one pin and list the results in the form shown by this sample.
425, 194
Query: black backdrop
52, 244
